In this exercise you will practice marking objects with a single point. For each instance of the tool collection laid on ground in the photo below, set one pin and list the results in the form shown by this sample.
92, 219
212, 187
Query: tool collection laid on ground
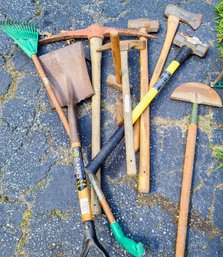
65, 77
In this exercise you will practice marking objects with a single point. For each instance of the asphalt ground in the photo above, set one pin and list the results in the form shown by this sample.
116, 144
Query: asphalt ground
39, 209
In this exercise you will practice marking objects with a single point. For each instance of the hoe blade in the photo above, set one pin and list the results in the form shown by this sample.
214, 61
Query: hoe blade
197, 93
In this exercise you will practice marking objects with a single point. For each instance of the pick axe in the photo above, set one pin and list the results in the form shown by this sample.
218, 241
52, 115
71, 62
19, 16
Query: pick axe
95, 34
124, 47
196, 93
189, 45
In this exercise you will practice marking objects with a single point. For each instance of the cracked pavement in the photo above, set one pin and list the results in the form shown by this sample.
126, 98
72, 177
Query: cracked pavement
39, 209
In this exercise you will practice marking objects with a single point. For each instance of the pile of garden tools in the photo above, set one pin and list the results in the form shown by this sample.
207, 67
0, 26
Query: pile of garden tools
65, 76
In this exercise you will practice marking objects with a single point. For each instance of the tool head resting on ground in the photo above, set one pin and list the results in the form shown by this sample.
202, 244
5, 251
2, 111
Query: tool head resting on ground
149, 25
66, 69
197, 47
198, 93
191, 19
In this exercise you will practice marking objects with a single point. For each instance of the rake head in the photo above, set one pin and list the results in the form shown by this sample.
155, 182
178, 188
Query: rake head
24, 34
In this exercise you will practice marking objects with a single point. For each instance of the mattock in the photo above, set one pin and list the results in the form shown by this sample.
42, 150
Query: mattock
144, 25
95, 34
175, 14
122, 75
196, 93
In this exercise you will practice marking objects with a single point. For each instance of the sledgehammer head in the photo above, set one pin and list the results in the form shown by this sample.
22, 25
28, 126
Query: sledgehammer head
197, 93
198, 48
149, 25
191, 19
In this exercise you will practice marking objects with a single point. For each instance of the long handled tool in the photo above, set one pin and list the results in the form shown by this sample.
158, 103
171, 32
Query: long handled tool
124, 47
189, 46
26, 37
175, 14
67, 70
144, 25
95, 34
195, 93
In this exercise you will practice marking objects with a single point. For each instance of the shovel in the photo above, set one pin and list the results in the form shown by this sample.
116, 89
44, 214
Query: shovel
66, 70
196, 93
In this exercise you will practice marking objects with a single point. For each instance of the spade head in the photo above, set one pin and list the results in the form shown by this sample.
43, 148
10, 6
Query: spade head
197, 93
67, 72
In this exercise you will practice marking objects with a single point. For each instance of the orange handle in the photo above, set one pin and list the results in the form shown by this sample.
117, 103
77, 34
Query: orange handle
116, 55
144, 148
51, 93
185, 191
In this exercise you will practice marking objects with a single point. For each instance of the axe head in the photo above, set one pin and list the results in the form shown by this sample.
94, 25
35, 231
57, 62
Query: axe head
194, 43
191, 19
198, 93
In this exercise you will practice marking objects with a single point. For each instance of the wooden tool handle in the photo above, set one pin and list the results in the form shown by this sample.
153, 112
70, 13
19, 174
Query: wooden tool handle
136, 130
185, 191
128, 124
73, 122
144, 150
116, 55
51, 93
172, 25
96, 43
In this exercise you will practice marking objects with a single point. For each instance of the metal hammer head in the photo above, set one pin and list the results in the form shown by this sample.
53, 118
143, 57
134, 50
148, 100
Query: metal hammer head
125, 45
194, 43
191, 19
198, 93
149, 25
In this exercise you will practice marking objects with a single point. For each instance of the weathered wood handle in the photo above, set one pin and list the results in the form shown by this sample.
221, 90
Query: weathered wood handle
136, 130
116, 55
186, 189
128, 124
51, 93
172, 25
144, 148
96, 43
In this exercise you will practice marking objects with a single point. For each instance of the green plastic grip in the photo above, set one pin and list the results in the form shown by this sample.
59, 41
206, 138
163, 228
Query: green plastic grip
128, 244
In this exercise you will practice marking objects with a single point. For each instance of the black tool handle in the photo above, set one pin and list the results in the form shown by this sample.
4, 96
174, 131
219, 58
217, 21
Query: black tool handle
94, 165
90, 239
183, 54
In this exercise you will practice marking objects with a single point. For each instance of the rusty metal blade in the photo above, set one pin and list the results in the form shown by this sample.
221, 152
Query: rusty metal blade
197, 93
67, 71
